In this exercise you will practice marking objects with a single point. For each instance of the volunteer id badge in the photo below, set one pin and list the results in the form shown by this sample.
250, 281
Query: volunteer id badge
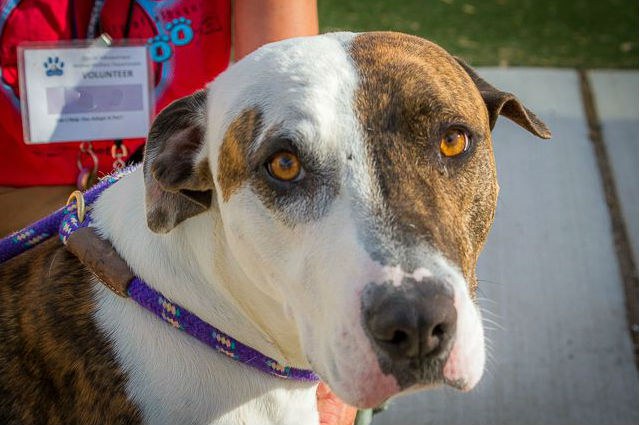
74, 92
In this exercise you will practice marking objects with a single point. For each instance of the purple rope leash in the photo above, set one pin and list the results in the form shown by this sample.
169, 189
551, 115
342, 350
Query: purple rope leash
65, 221
25, 239
183, 319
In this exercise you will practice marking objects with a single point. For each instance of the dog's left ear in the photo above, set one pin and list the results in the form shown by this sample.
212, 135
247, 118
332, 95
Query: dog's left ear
506, 104
177, 177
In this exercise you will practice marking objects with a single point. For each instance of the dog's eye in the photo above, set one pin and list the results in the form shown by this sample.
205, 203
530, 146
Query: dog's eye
454, 142
284, 166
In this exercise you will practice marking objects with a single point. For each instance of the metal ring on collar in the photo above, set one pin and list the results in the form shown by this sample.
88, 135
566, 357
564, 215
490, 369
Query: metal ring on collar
80, 205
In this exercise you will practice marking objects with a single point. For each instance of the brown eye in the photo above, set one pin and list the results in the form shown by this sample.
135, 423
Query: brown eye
284, 166
454, 142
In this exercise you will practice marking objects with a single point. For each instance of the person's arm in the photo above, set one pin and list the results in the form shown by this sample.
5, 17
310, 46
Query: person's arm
257, 22
332, 410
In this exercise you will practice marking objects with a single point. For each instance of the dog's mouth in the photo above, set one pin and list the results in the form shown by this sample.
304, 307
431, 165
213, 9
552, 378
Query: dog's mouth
460, 367
427, 374
458, 384
414, 371
377, 385
382, 393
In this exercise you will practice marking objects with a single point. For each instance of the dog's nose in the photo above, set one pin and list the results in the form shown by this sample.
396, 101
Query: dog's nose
417, 321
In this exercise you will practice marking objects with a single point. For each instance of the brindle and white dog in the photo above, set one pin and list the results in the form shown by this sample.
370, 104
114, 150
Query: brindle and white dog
324, 202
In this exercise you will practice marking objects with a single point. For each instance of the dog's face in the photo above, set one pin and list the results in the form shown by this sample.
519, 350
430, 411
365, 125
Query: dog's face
355, 180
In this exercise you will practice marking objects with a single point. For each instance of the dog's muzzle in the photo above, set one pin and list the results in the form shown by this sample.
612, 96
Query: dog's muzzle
411, 328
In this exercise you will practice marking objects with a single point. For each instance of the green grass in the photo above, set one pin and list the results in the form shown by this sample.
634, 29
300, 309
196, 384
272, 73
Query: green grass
560, 33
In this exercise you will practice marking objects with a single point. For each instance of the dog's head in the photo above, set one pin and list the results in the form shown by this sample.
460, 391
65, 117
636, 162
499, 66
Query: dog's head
355, 180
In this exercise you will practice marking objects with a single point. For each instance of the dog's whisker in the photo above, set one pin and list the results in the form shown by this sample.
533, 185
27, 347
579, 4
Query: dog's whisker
488, 369
494, 316
482, 298
480, 291
490, 352
484, 301
486, 311
492, 282
490, 312
492, 322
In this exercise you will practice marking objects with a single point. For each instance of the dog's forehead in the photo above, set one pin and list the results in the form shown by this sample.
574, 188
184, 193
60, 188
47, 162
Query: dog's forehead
414, 77
305, 85
309, 84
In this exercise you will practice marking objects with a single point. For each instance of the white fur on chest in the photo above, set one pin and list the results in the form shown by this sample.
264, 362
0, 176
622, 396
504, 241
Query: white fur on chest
173, 377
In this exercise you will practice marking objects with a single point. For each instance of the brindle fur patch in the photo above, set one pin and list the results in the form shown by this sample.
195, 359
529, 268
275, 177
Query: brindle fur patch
56, 367
410, 91
233, 169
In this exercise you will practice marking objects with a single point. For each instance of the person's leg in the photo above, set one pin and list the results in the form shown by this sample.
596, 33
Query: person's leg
20, 207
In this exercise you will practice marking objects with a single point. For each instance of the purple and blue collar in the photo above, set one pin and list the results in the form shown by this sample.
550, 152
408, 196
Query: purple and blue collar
75, 216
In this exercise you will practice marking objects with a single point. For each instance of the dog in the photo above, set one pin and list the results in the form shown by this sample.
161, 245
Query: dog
323, 201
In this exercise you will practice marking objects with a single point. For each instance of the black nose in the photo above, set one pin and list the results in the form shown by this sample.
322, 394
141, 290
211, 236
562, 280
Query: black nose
416, 320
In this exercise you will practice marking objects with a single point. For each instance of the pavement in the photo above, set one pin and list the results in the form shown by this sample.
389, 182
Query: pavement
551, 287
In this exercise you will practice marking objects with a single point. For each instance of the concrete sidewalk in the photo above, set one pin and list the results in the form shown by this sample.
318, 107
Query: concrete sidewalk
551, 288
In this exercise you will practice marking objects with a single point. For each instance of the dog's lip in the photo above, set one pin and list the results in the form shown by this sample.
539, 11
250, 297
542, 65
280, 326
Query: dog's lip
458, 384
419, 385
371, 402
369, 391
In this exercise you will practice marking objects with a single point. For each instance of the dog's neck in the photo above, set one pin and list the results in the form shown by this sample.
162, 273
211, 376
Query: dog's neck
193, 267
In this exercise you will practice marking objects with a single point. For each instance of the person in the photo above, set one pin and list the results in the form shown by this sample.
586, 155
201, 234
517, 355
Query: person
190, 42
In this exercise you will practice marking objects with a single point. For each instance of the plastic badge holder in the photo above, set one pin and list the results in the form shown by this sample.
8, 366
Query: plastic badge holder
85, 90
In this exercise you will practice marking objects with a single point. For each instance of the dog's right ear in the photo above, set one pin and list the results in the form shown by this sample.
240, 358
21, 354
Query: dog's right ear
177, 178
505, 104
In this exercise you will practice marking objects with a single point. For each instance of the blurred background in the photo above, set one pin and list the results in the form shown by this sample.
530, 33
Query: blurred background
558, 277
575, 34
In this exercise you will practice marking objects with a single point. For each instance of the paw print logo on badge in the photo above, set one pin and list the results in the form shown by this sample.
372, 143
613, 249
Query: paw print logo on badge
53, 67
180, 33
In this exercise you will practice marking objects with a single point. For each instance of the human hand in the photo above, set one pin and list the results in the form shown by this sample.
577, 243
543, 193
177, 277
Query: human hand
332, 410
